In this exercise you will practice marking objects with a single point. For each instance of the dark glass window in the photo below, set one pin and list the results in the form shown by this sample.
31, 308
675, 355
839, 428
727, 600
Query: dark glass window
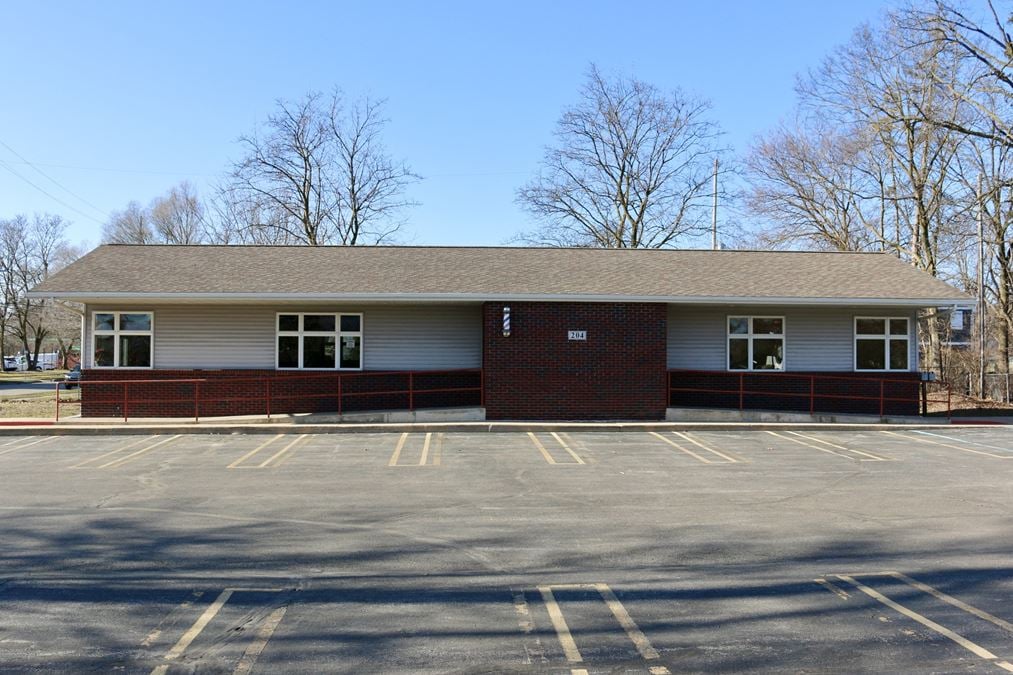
288, 322
318, 351
351, 352
104, 346
288, 351
870, 354
318, 323
350, 323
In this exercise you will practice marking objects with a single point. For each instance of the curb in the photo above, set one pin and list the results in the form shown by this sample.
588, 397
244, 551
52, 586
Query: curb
41, 429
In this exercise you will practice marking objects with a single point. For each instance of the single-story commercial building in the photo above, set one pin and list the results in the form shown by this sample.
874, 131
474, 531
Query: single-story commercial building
522, 333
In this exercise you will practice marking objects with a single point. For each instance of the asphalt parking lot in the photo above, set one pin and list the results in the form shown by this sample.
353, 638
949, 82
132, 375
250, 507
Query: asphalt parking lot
633, 552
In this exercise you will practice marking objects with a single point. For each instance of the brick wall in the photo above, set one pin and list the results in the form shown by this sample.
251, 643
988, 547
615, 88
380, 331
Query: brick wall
836, 392
537, 373
245, 392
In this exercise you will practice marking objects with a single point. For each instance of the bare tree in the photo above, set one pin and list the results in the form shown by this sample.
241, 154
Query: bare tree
30, 250
179, 217
631, 168
132, 225
985, 47
321, 173
813, 182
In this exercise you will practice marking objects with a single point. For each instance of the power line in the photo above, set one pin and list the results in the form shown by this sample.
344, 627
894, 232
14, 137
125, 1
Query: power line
52, 180
56, 199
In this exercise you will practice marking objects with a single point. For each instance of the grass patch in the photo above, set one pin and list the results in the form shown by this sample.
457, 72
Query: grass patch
41, 406
33, 376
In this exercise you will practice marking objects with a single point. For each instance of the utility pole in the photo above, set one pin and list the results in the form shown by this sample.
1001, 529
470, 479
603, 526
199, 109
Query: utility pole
981, 291
714, 213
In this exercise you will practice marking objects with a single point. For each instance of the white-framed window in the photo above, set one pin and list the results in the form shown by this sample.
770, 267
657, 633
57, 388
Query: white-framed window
318, 341
755, 342
123, 339
882, 343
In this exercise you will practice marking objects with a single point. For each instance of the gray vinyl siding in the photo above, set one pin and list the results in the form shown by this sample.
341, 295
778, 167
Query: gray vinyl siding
816, 338
395, 337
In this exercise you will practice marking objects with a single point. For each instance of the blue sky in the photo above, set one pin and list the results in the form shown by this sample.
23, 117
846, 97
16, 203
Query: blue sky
120, 101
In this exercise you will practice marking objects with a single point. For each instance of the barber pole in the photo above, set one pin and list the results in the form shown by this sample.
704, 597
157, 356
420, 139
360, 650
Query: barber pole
506, 322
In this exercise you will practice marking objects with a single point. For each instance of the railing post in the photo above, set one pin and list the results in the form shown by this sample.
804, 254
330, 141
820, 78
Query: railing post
741, 389
812, 394
481, 387
411, 390
339, 393
126, 400
268, 380
196, 401
57, 402
882, 387
949, 408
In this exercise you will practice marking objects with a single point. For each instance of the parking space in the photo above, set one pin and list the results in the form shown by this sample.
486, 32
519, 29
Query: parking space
545, 552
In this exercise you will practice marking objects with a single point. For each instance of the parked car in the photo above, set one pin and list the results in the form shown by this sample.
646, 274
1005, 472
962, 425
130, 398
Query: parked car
10, 364
72, 377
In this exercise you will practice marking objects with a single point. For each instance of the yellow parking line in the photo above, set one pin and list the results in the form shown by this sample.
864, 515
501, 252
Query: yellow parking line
425, 449
15, 440
843, 595
438, 452
679, 447
871, 456
566, 640
567, 448
281, 455
264, 634
708, 449
129, 445
636, 636
541, 448
949, 599
397, 450
945, 445
251, 453
633, 632
190, 635
814, 447
30, 444
120, 461
972, 647
183, 606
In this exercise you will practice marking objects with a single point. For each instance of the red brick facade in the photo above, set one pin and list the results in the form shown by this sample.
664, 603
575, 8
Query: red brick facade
256, 392
816, 392
617, 373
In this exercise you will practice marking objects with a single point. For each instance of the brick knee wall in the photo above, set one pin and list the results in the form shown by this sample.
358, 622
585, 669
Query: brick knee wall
245, 392
617, 373
836, 392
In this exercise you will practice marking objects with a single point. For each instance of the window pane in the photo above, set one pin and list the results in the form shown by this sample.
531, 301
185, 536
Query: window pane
135, 351
351, 354
350, 323
288, 322
288, 351
318, 351
768, 354
898, 355
105, 322
898, 327
870, 354
870, 326
738, 325
104, 345
768, 326
318, 322
738, 354
135, 322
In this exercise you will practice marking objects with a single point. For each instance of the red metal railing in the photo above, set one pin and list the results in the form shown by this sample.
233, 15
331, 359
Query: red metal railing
270, 396
810, 382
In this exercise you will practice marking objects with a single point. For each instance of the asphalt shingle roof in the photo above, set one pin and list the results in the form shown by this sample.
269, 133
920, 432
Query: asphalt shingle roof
493, 273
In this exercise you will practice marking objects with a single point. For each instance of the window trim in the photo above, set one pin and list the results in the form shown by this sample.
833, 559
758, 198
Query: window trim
885, 337
749, 336
116, 333
337, 334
